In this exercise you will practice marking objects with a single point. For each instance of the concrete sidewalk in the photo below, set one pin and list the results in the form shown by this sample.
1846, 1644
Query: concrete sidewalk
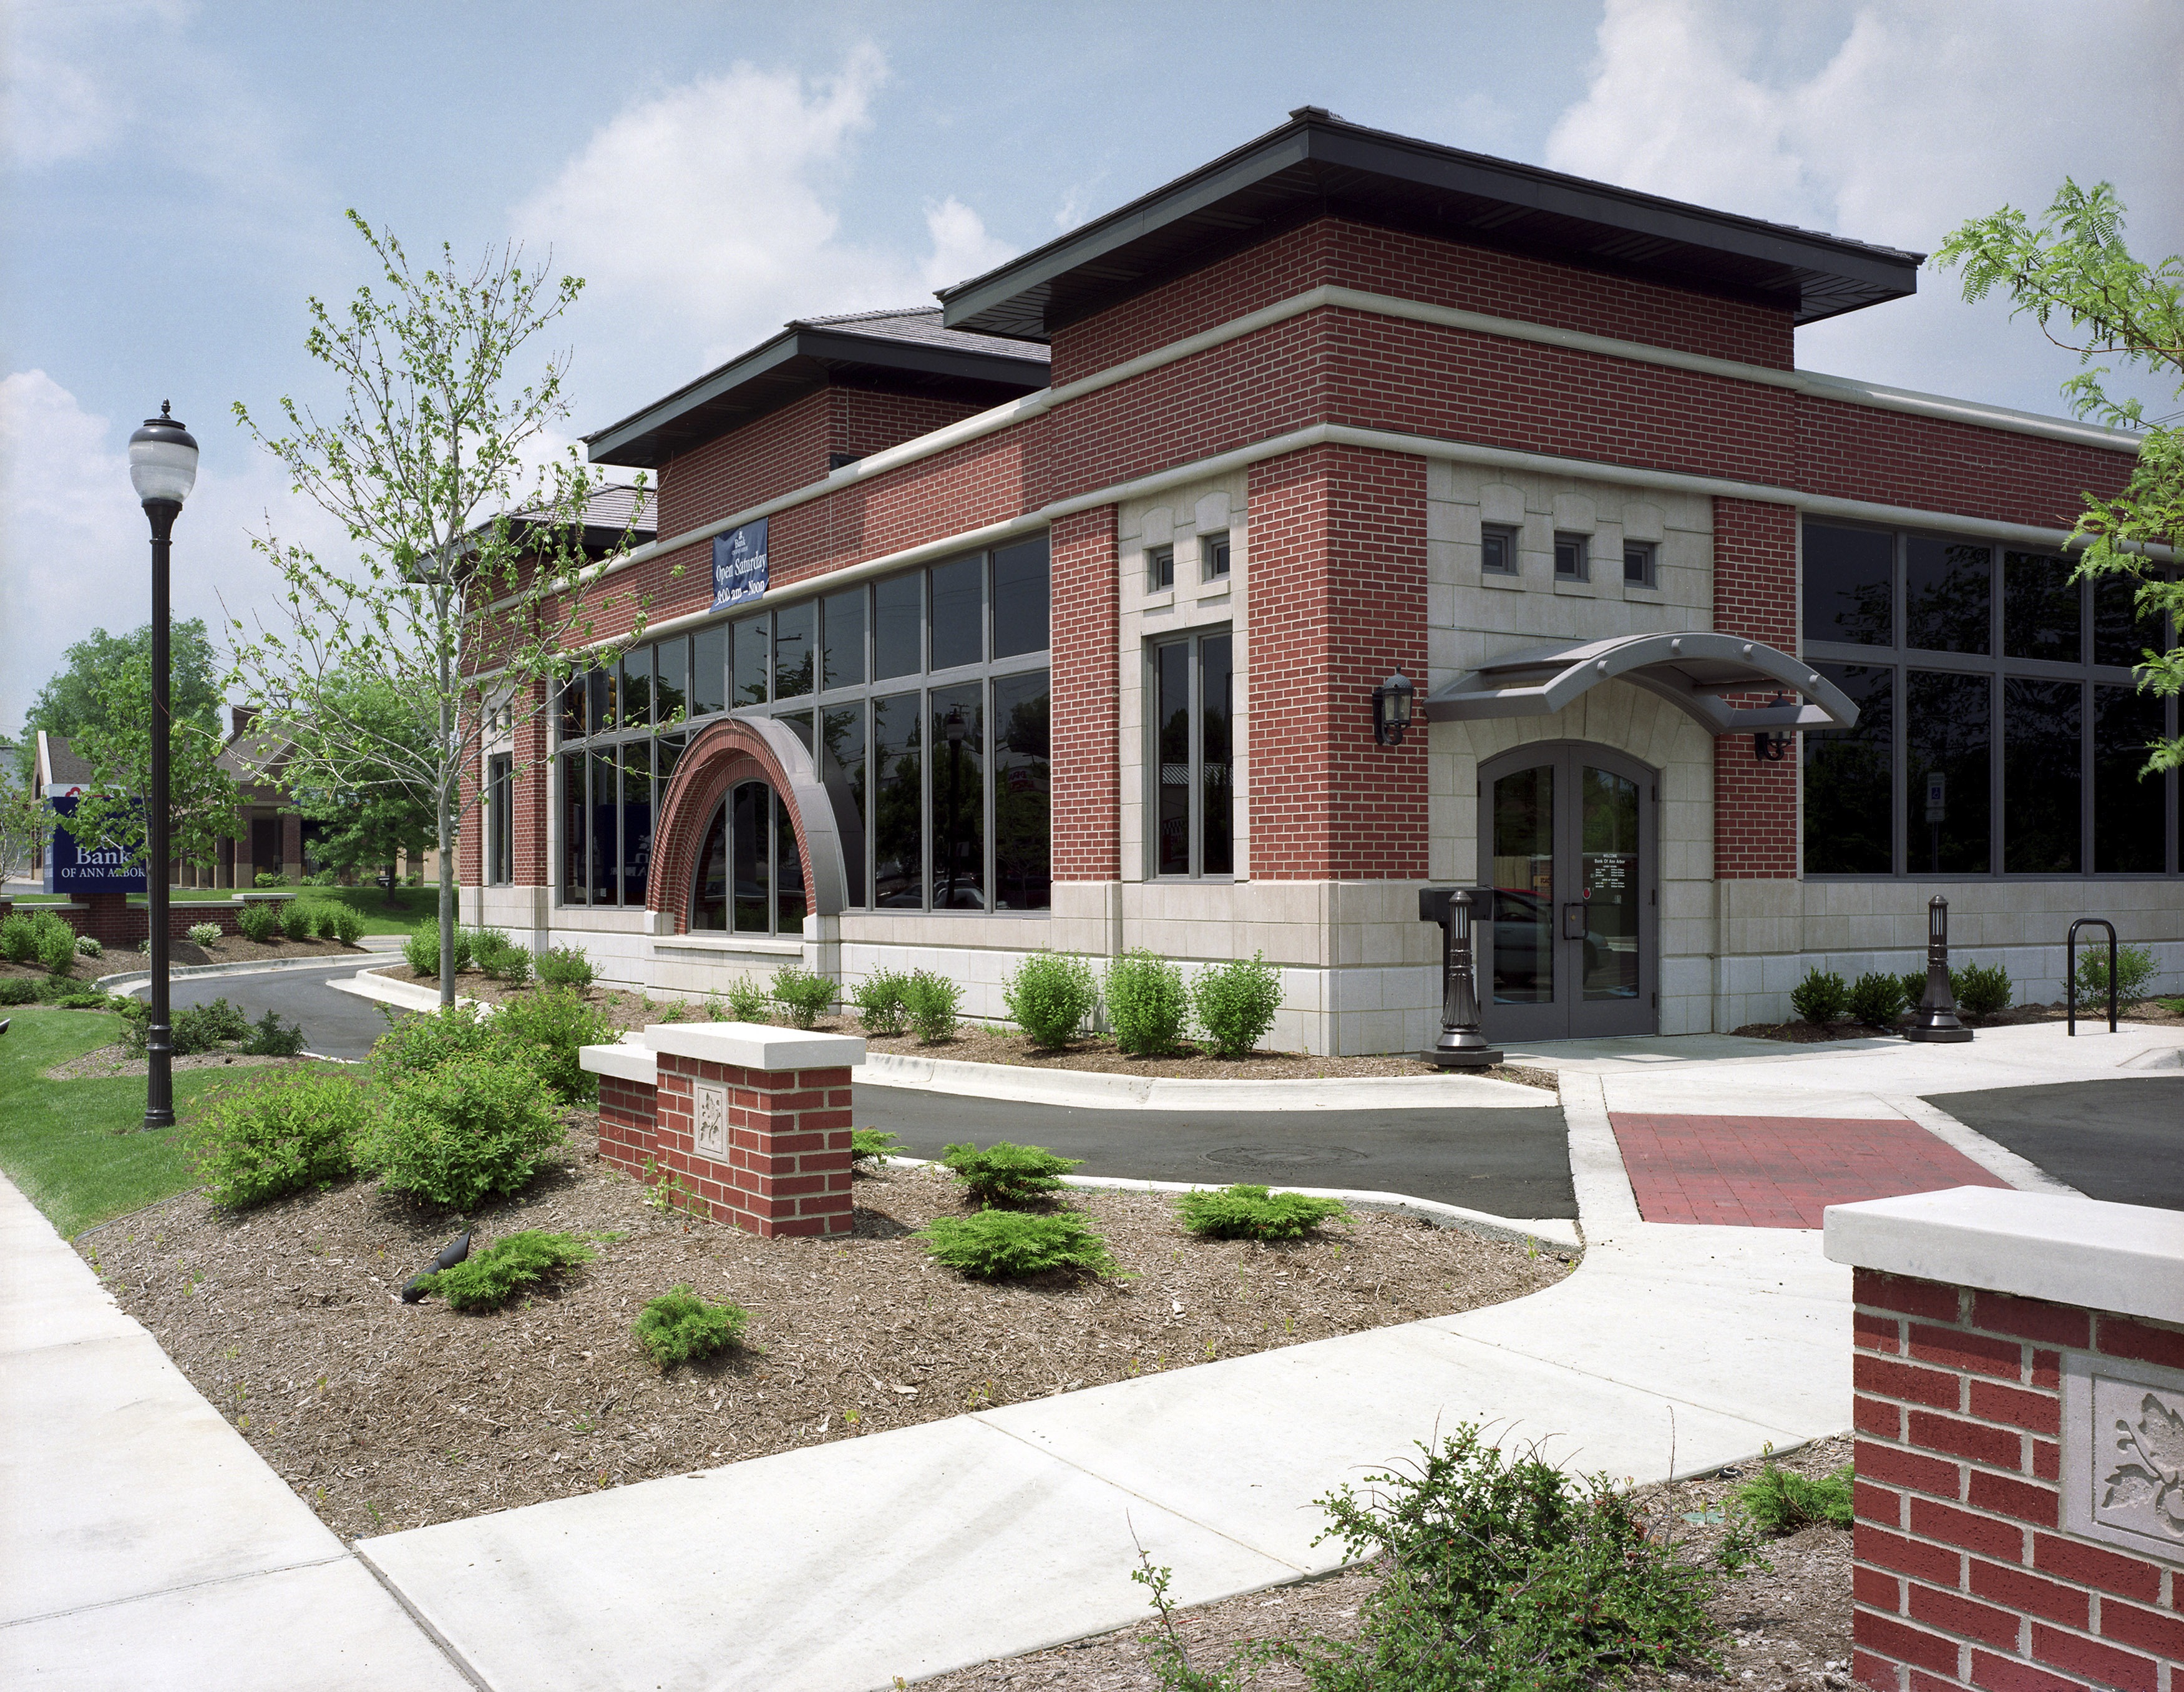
143, 1544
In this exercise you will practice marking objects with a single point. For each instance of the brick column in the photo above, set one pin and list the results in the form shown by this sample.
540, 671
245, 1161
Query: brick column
2012, 1531
1755, 594
628, 1078
1087, 774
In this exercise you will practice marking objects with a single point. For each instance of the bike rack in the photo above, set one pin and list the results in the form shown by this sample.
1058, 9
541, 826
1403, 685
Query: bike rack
2070, 975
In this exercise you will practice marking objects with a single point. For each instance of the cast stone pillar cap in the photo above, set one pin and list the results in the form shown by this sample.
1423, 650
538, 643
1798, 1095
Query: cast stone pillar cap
754, 1044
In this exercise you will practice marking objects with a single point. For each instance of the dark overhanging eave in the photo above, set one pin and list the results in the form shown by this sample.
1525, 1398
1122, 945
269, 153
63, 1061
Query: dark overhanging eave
1317, 164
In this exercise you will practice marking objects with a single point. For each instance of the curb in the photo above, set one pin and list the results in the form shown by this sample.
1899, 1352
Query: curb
129, 981
370, 984
1553, 1230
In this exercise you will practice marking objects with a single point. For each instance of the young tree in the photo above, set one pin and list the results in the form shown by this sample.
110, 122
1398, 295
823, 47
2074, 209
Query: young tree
202, 799
2075, 269
471, 581
26, 825
362, 827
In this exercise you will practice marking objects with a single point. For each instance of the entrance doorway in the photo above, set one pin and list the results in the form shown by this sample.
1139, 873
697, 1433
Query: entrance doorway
1567, 842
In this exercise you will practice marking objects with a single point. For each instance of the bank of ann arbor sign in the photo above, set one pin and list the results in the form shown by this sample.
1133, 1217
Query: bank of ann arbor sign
73, 867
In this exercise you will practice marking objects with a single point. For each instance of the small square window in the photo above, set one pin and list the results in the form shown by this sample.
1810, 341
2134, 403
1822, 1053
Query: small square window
1160, 566
1213, 552
1638, 563
1572, 563
1497, 550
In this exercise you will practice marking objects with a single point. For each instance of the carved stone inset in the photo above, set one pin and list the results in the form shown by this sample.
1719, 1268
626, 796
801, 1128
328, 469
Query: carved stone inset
2123, 1454
709, 1120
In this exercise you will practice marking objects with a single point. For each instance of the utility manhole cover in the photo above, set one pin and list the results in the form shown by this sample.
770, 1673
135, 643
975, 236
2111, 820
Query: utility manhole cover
1282, 1156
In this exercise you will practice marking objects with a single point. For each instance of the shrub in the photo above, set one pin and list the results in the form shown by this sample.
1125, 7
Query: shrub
19, 937
418, 1044
202, 1028
259, 923
16, 991
748, 1001
514, 967
297, 919
998, 1244
1779, 1501
1913, 988
1235, 1003
1982, 989
295, 1130
486, 1280
323, 877
87, 946
806, 996
1876, 999
544, 1031
1251, 1213
56, 945
268, 878
879, 1003
135, 1025
488, 947
345, 925
1146, 1006
679, 1326
472, 1126
1051, 997
564, 966
421, 949
929, 1003
83, 1001
1007, 1174
270, 1038
1821, 997
203, 934
872, 1146
2135, 971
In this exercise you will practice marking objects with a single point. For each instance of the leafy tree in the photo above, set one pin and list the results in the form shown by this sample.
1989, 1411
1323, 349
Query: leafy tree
2075, 276
24, 824
360, 827
69, 701
472, 580
202, 799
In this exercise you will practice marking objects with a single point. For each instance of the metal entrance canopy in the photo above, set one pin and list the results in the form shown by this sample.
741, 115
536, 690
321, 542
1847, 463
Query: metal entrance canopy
1693, 671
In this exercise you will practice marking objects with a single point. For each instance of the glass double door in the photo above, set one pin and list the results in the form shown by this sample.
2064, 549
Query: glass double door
1566, 842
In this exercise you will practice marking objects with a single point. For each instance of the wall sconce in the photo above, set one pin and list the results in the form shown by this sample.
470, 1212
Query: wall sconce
1769, 749
1391, 709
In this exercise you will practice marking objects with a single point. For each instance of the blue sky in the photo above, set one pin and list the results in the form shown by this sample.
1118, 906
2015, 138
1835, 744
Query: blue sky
175, 177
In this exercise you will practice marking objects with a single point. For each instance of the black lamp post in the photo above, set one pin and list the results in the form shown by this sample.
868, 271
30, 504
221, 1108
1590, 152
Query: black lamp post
163, 465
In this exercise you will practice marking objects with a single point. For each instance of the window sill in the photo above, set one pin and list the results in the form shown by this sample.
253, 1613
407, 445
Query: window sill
769, 945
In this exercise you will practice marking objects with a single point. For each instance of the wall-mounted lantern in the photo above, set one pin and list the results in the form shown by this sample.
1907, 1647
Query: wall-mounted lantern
1391, 709
1769, 749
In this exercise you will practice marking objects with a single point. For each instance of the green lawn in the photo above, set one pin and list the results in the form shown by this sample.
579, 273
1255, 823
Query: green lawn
411, 907
69, 1145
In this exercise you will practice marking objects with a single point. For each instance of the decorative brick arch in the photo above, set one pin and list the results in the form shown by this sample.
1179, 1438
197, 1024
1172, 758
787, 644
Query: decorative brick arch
720, 756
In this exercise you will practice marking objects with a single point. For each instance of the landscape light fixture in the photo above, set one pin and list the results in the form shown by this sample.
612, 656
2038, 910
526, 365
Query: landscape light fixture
1391, 709
163, 467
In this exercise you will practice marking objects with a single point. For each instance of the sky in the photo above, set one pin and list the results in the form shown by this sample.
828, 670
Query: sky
174, 179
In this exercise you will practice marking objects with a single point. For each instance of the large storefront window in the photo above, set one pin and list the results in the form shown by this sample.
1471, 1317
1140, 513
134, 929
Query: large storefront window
923, 698
2000, 731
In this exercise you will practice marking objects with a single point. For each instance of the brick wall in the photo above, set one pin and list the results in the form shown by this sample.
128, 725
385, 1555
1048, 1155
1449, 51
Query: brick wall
627, 1114
1087, 773
1965, 1574
1338, 598
1755, 594
788, 1161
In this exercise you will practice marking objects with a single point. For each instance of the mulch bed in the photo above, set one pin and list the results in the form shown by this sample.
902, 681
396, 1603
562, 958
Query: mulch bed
977, 1043
384, 1415
2156, 1013
1787, 1621
228, 948
115, 1060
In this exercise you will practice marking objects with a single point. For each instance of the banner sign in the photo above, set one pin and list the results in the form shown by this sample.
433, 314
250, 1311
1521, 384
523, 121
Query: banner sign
74, 868
739, 564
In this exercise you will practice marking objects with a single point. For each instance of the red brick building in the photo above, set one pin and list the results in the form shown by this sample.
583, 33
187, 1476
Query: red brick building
1051, 618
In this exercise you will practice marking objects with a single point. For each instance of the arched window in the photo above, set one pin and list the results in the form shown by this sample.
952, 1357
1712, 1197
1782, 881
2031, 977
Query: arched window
749, 878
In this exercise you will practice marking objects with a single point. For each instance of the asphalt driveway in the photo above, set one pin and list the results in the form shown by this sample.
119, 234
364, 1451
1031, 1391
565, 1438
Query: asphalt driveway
2119, 1139
335, 1025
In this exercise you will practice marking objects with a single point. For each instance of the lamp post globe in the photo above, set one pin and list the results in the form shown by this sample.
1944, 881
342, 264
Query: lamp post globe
163, 468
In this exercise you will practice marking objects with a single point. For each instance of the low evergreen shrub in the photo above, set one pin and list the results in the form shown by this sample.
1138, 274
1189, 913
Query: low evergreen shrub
486, 1280
1051, 997
420, 951
872, 1146
17, 991
748, 1000
679, 1326
804, 997
879, 1001
2135, 971
564, 966
88, 945
1779, 1501
86, 1002
1005, 1175
203, 1028
1913, 988
1876, 999
929, 1003
1244, 1212
546, 1031
994, 1245
1982, 989
270, 1038
297, 919
259, 923
1821, 997
295, 1129
1235, 1003
203, 934
1146, 1005
472, 1127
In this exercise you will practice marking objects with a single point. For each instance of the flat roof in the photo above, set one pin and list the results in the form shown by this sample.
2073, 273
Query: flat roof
1319, 163
909, 350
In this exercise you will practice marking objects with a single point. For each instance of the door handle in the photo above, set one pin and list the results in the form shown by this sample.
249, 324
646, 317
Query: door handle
1573, 925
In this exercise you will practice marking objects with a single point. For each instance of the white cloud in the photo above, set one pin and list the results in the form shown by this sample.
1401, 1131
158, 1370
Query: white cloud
1925, 113
705, 217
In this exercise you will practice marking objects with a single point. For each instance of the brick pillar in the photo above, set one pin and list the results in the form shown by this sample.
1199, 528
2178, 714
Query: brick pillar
1086, 806
757, 1121
1338, 600
1755, 596
292, 844
627, 1109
